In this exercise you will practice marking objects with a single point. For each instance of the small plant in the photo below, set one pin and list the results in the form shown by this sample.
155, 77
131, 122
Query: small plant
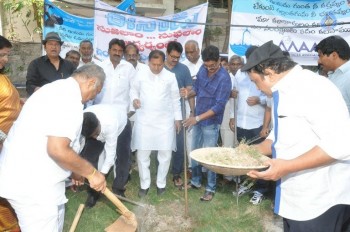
26, 11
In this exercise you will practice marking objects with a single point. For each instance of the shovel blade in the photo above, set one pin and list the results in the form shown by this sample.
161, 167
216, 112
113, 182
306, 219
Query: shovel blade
122, 225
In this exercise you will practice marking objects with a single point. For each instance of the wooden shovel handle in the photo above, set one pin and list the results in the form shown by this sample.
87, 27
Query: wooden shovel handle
116, 201
76, 218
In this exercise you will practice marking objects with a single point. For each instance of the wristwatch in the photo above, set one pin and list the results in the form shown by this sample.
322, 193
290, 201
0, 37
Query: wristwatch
197, 119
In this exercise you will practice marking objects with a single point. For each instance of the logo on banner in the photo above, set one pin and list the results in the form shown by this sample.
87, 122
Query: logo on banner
329, 21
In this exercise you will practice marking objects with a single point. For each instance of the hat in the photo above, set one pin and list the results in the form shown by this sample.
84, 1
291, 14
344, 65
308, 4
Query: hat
52, 36
264, 52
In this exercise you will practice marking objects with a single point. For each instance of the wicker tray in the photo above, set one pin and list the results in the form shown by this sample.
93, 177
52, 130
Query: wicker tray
201, 156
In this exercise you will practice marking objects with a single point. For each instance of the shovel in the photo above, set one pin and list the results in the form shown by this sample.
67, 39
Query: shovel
125, 223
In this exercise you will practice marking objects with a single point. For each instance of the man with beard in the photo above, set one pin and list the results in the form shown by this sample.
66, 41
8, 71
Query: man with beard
119, 75
50, 67
193, 63
86, 50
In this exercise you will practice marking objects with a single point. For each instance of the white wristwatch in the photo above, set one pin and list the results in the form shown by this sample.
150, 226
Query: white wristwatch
197, 119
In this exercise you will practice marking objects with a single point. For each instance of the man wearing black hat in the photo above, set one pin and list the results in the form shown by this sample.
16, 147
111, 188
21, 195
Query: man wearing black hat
50, 67
308, 143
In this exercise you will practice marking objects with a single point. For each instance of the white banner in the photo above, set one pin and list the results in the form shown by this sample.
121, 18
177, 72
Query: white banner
290, 24
147, 34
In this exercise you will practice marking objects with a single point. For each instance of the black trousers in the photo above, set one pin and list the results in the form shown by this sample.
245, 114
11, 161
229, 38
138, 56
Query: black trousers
123, 161
91, 152
336, 219
93, 148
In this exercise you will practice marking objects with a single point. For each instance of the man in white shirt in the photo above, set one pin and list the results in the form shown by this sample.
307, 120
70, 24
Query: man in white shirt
309, 143
40, 151
132, 55
158, 115
119, 75
250, 117
334, 55
86, 50
102, 125
193, 62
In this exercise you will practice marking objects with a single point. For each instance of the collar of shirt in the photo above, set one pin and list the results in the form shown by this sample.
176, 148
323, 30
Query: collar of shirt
287, 79
345, 68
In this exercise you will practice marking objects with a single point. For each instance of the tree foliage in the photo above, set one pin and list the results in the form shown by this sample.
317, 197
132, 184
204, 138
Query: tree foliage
23, 12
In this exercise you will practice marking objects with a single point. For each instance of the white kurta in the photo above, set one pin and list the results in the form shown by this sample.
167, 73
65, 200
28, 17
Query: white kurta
154, 127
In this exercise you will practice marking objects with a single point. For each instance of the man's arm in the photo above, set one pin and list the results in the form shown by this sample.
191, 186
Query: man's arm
266, 124
278, 168
59, 150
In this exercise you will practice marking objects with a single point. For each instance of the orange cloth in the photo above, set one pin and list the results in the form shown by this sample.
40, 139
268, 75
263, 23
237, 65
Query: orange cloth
8, 220
10, 104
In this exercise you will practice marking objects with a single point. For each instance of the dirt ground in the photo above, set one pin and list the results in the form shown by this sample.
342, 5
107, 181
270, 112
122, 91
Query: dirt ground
149, 219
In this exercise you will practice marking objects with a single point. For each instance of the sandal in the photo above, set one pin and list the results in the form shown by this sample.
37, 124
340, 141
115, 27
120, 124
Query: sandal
177, 181
208, 196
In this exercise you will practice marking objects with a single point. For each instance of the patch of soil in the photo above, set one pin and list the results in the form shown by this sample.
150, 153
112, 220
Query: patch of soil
169, 219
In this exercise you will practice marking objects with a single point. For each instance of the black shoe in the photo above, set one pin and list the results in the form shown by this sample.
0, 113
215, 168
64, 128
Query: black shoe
119, 193
122, 194
160, 191
143, 193
91, 201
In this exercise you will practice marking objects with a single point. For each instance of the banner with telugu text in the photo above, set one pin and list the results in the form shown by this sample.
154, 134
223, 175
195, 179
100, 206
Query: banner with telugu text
71, 28
148, 34
296, 20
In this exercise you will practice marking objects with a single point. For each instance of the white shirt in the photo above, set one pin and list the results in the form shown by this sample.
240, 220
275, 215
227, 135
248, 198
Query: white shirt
341, 78
93, 60
154, 127
27, 172
194, 68
248, 117
307, 117
112, 124
116, 88
140, 67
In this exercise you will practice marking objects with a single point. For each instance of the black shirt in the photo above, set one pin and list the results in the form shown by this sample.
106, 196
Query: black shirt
41, 71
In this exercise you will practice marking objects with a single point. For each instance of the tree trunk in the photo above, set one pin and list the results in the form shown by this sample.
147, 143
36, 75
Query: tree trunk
228, 27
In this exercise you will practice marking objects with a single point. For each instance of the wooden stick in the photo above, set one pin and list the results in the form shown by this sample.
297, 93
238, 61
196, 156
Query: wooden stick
76, 218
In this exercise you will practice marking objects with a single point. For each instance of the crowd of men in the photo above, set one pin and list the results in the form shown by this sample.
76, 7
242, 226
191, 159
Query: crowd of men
84, 117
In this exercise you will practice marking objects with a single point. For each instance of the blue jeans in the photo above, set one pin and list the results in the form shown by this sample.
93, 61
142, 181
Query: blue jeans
204, 136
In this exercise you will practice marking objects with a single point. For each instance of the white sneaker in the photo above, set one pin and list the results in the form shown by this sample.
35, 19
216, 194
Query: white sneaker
244, 188
257, 198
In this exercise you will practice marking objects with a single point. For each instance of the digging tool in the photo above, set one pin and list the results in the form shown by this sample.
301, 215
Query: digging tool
76, 218
125, 223
185, 158
130, 201
235, 140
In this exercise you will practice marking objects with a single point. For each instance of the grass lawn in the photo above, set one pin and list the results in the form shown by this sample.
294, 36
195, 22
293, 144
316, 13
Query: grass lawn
167, 212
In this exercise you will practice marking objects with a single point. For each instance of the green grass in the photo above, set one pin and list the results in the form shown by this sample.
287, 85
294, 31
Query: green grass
167, 212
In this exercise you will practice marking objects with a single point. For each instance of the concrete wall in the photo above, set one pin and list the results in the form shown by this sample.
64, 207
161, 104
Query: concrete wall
21, 55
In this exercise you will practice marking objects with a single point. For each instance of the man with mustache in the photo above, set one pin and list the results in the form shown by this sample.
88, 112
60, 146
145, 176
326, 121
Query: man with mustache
86, 50
119, 75
50, 67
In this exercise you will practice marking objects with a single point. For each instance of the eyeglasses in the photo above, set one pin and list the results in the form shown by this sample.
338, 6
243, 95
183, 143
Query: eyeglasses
174, 57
